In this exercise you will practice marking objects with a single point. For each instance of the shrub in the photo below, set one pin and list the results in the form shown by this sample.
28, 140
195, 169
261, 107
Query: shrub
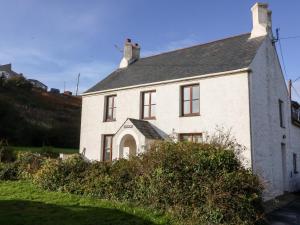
197, 183
62, 175
124, 174
97, 180
73, 169
17, 82
8, 171
28, 164
25, 165
49, 176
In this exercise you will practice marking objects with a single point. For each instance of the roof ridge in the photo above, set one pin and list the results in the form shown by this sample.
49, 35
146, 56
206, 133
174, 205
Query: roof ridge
196, 45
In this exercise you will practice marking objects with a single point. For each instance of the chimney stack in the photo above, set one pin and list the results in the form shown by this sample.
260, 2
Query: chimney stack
261, 19
131, 53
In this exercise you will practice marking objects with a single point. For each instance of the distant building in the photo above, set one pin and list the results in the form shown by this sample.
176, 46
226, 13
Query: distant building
6, 71
68, 93
38, 84
296, 112
54, 91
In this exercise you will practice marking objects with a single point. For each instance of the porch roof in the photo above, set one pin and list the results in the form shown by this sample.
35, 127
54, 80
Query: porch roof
146, 129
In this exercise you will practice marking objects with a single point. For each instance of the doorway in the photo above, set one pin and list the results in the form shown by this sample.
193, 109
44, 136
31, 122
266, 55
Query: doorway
128, 146
284, 167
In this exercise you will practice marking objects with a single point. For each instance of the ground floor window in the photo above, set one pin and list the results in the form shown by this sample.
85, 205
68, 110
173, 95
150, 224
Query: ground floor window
107, 147
295, 163
192, 137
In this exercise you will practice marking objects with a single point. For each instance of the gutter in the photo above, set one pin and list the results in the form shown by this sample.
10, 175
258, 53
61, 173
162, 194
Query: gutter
230, 72
250, 120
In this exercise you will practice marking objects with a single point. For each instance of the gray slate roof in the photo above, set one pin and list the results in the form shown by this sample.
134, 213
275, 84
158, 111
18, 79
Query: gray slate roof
145, 128
223, 55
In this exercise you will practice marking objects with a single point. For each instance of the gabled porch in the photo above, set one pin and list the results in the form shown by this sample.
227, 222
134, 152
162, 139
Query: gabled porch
133, 138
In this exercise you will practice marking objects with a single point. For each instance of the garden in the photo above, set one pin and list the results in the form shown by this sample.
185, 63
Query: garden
171, 183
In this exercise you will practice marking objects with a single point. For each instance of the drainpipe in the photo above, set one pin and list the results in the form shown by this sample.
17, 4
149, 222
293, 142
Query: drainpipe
290, 89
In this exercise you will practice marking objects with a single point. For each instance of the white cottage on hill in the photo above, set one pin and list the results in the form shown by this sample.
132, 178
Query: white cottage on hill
235, 83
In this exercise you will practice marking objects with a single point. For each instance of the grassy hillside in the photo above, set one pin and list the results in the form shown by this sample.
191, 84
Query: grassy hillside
29, 117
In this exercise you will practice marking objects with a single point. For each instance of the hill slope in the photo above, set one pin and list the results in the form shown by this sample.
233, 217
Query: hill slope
31, 117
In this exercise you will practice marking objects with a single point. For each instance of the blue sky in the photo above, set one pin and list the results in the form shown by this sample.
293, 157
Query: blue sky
55, 40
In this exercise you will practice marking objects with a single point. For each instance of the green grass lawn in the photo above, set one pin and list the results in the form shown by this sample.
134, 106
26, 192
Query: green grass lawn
39, 149
22, 203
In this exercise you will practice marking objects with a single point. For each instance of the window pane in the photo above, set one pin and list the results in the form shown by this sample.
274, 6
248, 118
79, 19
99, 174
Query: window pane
197, 138
114, 113
186, 107
107, 150
295, 163
108, 140
186, 93
109, 113
195, 106
146, 111
196, 92
186, 137
110, 108
107, 154
153, 110
110, 101
146, 98
153, 97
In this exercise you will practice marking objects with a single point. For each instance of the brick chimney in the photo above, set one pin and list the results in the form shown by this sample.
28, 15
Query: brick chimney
262, 20
131, 53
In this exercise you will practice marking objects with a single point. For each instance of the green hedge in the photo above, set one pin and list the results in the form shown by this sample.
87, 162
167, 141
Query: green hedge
197, 183
25, 166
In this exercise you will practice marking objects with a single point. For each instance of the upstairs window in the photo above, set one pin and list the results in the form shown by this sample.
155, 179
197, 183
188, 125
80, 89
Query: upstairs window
110, 114
281, 113
190, 96
149, 105
107, 147
192, 137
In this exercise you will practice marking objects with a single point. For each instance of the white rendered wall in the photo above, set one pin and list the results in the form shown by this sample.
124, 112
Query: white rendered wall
224, 102
267, 86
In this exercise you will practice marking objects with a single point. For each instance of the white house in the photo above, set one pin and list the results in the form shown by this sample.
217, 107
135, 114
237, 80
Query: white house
235, 83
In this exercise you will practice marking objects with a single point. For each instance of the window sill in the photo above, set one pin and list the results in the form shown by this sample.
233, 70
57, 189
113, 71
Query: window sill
190, 115
150, 118
107, 121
